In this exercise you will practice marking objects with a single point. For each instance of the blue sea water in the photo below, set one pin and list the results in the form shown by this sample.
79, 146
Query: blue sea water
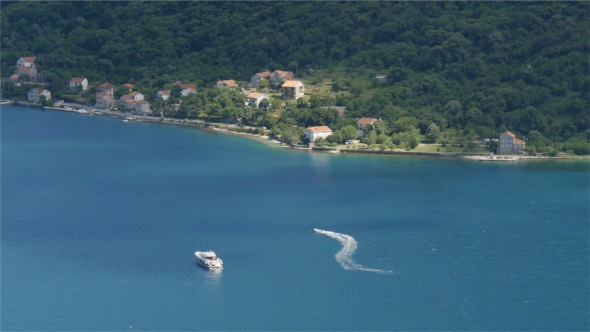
100, 220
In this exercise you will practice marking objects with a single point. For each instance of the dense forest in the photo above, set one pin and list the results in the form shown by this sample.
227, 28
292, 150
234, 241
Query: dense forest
471, 69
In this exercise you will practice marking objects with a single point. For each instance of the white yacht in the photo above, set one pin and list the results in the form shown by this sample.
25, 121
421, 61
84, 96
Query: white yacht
209, 259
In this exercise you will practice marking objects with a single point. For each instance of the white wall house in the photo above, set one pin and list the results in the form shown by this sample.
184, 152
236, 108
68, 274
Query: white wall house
293, 90
78, 83
256, 98
129, 100
104, 101
164, 94
188, 89
313, 133
142, 107
28, 61
34, 95
106, 88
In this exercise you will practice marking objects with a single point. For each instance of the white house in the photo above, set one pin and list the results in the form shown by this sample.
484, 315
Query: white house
106, 88
77, 83
34, 95
293, 90
188, 89
104, 101
142, 107
313, 133
129, 100
256, 98
164, 94
363, 122
28, 61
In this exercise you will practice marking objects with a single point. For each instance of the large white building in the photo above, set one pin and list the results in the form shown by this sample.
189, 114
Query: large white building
34, 95
313, 133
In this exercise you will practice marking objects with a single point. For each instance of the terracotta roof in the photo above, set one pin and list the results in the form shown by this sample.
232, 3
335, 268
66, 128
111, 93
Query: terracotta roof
14, 76
29, 58
510, 134
77, 79
133, 94
254, 95
284, 74
129, 85
106, 86
165, 92
23, 69
319, 128
177, 83
518, 141
292, 84
188, 85
366, 121
264, 74
227, 82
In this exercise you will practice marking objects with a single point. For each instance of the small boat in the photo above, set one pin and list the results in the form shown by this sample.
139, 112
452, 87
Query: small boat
209, 260
317, 230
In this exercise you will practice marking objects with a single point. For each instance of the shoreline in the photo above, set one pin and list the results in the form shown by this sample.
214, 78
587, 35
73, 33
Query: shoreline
225, 129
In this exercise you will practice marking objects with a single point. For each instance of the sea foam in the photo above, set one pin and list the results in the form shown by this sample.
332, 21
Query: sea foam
344, 256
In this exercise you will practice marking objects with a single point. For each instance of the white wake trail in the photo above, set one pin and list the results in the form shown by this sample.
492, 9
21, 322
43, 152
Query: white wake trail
344, 256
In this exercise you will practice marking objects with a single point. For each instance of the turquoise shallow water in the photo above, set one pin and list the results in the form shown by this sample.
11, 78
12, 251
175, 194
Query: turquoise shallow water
100, 220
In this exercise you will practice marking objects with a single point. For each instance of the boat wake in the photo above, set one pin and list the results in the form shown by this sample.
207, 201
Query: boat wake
344, 256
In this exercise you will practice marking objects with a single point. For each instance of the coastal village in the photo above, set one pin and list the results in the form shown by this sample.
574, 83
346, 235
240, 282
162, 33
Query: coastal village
133, 106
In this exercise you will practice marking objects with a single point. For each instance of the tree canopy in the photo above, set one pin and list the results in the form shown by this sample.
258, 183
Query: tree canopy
469, 66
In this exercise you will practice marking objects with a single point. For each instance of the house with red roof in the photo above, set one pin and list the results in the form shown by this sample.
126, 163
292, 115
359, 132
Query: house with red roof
226, 84
104, 101
363, 122
509, 144
256, 98
129, 100
313, 133
106, 88
293, 90
77, 83
188, 89
164, 94
27, 61
279, 76
257, 79
34, 96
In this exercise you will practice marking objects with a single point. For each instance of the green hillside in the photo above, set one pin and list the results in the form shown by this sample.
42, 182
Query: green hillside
470, 68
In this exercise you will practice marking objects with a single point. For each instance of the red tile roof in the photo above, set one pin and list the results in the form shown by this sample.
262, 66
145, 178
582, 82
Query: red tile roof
510, 134
319, 128
518, 141
264, 74
188, 85
365, 121
77, 79
29, 58
292, 84
254, 95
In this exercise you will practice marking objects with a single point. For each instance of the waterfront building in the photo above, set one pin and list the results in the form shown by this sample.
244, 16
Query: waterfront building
313, 133
77, 83
34, 96
509, 144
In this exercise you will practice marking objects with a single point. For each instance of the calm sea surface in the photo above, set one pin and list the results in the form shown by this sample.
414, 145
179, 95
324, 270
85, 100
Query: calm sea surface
100, 220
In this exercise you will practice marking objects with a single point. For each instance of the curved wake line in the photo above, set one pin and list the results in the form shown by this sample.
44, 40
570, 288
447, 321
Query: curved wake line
344, 256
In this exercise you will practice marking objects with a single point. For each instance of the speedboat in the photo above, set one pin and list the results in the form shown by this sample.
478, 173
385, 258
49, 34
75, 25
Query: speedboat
209, 259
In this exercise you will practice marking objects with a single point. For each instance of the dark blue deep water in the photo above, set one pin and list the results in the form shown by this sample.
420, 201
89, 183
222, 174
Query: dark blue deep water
100, 219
